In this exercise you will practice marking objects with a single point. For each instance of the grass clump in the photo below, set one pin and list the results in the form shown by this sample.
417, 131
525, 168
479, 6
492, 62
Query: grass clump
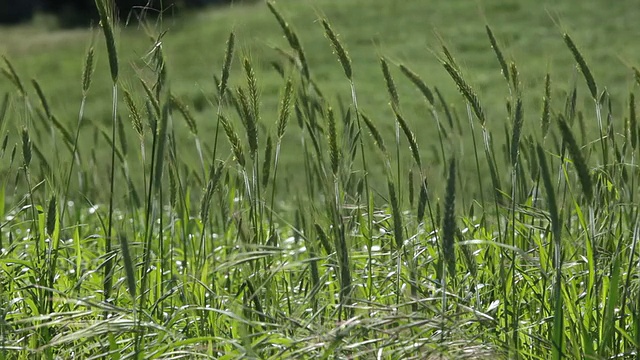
228, 259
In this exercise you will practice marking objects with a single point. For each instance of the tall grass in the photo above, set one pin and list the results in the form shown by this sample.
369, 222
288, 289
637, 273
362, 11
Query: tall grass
228, 259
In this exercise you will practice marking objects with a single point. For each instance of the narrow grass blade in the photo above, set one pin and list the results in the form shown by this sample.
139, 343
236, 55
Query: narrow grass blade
578, 160
449, 222
546, 106
422, 200
26, 147
397, 215
633, 122
128, 265
413, 144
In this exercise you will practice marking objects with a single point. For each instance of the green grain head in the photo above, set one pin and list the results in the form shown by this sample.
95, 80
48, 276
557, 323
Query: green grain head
107, 23
582, 64
498, 52
339, 50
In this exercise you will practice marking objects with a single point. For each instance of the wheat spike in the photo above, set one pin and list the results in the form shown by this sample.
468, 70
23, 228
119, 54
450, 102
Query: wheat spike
134, 113
292, 39
377, 137
496, 49
340, 51
413, 144
517, 131
391, 86
186, 114
266, 165
234, 140
107, 28
417, 81
466, 91
11, 74
285, 108
333, 142
226, 67
591, 83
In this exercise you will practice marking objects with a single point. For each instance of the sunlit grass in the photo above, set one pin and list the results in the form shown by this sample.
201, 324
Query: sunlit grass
364, 248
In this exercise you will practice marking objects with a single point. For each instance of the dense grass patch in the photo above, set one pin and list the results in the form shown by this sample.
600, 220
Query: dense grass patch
513, 237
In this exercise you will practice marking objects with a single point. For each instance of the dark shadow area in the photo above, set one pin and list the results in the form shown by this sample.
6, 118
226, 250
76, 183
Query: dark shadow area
79, 13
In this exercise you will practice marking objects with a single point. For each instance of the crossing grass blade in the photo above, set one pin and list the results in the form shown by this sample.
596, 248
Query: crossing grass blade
557, 331
578, 160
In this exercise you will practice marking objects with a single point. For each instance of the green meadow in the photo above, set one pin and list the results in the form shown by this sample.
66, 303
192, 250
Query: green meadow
297, 179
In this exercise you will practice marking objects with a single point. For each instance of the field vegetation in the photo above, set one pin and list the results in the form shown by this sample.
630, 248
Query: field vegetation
291, 183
